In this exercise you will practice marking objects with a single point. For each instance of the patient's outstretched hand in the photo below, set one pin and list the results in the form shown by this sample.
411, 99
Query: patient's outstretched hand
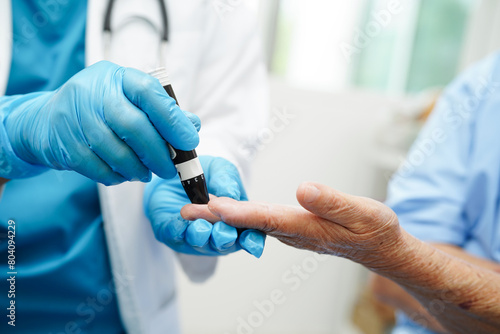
329, 222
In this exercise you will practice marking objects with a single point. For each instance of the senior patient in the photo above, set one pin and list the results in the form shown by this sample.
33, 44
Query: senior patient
368, 233
446, 194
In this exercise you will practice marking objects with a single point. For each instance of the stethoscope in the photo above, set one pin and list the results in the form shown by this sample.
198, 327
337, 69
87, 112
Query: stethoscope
165, 34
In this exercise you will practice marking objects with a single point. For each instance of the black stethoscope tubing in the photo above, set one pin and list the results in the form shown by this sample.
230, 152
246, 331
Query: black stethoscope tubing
163, 8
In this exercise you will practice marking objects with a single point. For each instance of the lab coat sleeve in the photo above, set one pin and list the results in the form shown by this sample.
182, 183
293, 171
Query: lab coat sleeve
231, 92
197, 268
429, 191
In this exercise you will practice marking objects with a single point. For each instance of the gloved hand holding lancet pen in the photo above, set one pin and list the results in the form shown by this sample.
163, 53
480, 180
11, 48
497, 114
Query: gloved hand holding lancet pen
186, 162
163, 200
108, 123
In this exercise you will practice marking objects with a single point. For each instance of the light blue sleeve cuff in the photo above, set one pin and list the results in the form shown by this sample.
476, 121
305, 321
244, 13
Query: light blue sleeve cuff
437, 220
405, 325
435, 233
12, 167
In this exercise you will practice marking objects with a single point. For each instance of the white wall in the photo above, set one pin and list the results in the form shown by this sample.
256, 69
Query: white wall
328, 140
483, 32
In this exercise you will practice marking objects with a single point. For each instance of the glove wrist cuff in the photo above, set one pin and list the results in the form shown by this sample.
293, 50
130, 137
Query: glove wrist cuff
11, 166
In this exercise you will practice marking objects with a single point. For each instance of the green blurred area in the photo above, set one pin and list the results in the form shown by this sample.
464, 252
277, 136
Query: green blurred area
429, 57
436, 48
372, 66
438, 43
284, 32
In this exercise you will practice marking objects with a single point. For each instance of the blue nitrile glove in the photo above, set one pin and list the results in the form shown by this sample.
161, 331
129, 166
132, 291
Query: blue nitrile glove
107, 122
163, 200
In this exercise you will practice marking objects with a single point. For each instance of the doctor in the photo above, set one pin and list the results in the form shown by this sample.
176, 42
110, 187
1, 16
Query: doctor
87, 258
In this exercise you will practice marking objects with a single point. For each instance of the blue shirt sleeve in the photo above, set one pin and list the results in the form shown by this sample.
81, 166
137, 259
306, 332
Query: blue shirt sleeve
428, 192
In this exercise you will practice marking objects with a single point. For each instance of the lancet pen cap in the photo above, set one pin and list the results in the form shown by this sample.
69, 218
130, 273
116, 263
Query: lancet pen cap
162, 75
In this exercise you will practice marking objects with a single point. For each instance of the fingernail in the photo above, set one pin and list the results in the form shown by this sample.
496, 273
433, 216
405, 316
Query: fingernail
311, 194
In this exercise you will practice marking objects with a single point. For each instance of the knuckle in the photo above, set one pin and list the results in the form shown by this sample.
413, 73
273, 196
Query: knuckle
121, 155
75, 84
95, 136
60, 116
171, 117
145, 83
333, 206
131, 123
271, 220
80, 158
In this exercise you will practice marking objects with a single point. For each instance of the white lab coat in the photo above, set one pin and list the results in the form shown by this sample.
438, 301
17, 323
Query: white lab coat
215, 66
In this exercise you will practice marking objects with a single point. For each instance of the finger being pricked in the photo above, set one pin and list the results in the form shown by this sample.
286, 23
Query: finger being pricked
199, 211
274, 220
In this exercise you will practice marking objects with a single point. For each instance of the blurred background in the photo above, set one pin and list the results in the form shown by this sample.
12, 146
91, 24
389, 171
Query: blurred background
351, 84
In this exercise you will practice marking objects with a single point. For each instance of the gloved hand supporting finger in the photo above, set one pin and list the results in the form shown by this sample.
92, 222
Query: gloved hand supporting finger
253, 242
223, 236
